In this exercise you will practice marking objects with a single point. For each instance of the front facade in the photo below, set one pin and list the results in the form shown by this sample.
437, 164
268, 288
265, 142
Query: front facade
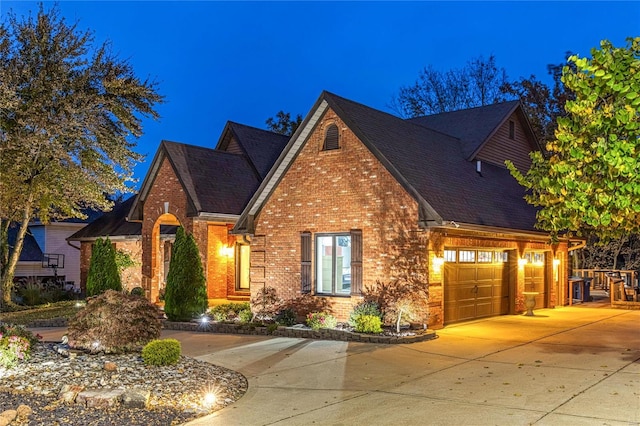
359, 197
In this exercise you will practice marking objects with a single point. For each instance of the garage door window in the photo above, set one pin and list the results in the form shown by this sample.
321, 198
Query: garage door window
485, 256
467, 256
502, 257
449, 255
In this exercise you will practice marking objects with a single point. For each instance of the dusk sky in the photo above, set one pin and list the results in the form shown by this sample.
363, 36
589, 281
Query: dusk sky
245, 61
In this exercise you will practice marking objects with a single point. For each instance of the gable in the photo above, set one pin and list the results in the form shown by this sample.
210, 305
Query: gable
501, 146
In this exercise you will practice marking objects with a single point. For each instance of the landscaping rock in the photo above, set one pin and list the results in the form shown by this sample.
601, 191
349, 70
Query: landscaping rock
136, 398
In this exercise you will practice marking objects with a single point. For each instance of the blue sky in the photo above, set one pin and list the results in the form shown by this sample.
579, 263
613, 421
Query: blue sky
245, 61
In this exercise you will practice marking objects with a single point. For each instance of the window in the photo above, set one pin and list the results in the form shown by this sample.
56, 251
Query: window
331, 138
538, 258
243, 272
333, 264
512, 130
502, 257
485, 256
449, 255
467, 256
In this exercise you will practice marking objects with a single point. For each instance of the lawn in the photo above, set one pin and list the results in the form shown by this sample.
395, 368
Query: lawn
66, 309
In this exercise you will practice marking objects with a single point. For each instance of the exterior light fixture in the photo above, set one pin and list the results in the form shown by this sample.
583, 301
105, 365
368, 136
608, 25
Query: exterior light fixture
438, 262
522, 261
226, 251
210, 399
556, 262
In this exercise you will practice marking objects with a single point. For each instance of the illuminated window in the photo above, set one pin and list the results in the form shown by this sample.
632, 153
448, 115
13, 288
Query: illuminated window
538, 258
485, 256
467, 256
502, 257
243, 253
331, 138
449, 255
333, 264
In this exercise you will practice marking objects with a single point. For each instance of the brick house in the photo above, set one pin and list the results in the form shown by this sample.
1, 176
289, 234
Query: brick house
359, 196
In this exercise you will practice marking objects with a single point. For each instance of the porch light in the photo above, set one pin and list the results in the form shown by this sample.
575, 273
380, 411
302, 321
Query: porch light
226, 251
523, 261
438, 262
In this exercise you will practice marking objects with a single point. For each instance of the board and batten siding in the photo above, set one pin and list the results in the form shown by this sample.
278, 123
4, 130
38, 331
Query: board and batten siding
500, 147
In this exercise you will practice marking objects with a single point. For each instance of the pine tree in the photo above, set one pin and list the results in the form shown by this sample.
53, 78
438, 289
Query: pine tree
186, 292
103, 270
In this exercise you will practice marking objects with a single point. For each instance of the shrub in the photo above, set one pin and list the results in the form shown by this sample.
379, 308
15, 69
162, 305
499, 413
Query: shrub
318, 320
16, 343
305, 304
364, 308
161, 352
31, 294
230, 312
103, 271
137, 291
286, 317
399, 300
186, 292
114, 322
245, 315
368, 324
266, 304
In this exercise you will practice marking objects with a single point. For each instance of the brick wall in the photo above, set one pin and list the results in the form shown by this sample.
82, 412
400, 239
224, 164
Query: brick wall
334, 191
131, 277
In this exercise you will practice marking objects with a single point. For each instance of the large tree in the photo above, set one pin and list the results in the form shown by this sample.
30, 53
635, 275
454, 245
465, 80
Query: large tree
589, 180
70, 111
477, 84
283, 123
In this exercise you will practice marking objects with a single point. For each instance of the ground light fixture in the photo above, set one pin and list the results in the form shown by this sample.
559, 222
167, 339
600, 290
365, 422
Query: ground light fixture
210, 395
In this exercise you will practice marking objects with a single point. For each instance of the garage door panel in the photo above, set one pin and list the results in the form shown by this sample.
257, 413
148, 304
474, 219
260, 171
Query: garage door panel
474, 290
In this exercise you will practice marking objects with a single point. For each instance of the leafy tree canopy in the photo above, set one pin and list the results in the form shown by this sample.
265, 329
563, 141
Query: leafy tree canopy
68, 111
590, 179
435, 92
283, 124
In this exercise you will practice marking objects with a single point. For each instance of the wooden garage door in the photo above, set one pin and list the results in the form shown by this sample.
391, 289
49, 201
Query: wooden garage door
476, 284
534, 277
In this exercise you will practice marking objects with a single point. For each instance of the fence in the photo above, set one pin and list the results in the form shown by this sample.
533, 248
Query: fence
622, 285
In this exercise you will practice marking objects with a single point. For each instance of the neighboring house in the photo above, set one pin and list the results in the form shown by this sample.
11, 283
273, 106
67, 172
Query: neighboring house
205, 191
359, 196
50, 239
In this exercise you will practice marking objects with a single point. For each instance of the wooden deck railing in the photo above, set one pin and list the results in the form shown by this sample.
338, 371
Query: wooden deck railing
622, 285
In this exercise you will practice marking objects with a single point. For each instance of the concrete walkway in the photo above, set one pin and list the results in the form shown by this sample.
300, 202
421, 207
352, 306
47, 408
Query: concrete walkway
563, 366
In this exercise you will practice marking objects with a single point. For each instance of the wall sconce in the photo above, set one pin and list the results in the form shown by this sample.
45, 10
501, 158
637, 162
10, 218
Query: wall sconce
522, 261
226, 251
437, 263
556, 263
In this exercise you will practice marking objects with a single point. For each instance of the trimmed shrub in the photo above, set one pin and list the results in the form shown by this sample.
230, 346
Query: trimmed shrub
137, 291
368, 324
161, 352
229, 312
318, 320
286, 317
114, 322
364, 308
186, 292
103, 271
245, 316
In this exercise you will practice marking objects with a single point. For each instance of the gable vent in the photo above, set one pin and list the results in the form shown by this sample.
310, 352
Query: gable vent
331, 138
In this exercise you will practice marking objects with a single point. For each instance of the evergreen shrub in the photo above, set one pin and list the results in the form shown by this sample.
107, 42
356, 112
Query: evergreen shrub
368, 324
161, 352
103, 271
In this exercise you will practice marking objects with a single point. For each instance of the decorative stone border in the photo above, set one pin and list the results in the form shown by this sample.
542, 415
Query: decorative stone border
280, 331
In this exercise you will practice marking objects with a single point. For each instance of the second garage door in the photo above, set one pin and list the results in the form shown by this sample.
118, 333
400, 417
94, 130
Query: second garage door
476, 284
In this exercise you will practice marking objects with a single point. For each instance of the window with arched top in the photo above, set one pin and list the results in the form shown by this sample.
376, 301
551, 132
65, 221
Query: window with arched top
331, 138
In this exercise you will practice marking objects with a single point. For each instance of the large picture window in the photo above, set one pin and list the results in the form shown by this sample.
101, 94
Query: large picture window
333, 264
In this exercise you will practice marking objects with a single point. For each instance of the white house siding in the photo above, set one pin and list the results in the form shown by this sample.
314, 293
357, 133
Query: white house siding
55, 242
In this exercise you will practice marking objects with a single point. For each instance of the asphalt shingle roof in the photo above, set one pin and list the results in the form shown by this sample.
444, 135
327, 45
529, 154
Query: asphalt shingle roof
31, 251
261, 146
110, 223
435, 166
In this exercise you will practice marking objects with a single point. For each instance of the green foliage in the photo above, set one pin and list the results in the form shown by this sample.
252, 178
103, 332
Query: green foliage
306, 303
364, 308
124, 260
318, 320
31, 294
16, 343
186, 292
114, 322
286, 316
69, 112
161, 352
368, 324
231, 312
103, 271
137, 291
399, 300
588, 181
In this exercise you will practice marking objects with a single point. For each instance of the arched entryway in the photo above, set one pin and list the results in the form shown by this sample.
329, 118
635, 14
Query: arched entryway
162, 239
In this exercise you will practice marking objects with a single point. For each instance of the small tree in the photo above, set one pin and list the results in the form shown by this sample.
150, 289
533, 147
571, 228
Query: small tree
103, 270
399, 300
186, 291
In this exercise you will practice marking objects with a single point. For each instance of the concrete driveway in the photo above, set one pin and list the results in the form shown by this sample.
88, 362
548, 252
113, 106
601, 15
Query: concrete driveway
563, 366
